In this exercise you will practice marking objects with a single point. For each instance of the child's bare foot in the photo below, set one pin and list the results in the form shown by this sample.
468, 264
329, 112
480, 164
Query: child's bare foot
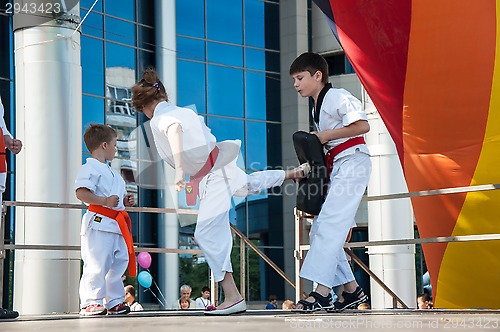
299, 172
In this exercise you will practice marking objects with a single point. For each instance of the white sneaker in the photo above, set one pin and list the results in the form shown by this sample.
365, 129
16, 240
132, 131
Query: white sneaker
94, 309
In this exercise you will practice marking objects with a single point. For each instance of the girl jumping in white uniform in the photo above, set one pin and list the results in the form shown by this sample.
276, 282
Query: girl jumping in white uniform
186, 143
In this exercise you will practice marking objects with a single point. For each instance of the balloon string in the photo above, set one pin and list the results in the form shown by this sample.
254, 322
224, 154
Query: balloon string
149, 289
159, 290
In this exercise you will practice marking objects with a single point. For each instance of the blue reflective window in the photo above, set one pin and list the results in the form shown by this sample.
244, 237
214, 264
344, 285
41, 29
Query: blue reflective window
191, 85
120, 31
119, 56
190, 18
255, 59
255, 89
225, 54
228, 129
224, 21
256, 145
188, 48
121, 8
92, 66
225, 91
93, 24
92, 112
254, 23
88, 3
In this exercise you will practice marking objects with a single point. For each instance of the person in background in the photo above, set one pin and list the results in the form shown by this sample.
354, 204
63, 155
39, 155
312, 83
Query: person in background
288, 305
130, 299
185, 293
204, 300
273, 302
184, 304
424, 301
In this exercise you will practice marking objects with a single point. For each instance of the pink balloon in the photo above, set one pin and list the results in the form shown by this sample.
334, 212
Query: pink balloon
144, 259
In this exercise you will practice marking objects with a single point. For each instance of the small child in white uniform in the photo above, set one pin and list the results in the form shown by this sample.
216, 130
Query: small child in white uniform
106, 240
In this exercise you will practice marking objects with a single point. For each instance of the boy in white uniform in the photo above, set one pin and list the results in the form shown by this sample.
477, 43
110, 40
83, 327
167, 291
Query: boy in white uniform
106, 240
15, 146
186, 143
341, 122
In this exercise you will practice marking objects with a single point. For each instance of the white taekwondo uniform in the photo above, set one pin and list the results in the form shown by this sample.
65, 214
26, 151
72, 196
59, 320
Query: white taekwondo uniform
326, 262
103, 247
225, 179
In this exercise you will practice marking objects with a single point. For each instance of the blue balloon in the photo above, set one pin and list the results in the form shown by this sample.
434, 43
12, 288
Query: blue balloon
144, 278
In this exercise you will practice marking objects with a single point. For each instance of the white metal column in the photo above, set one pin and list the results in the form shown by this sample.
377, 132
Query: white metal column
49, 121
389, 220
168, 229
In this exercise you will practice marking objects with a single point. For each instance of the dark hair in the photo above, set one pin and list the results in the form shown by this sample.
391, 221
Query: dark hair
273, 298
149, 89
130, 289
425, 297
310, 62
205, 289
95, 134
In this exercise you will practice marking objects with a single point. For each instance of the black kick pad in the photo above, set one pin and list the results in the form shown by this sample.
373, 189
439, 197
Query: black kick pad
312, 189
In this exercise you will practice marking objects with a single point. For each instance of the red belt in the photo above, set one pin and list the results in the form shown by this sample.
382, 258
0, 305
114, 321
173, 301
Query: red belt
192, 185
125, 225
333, 152
3, 155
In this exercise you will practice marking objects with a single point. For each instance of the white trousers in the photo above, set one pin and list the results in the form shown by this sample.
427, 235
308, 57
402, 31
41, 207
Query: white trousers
213, 233
105, 259
326, 262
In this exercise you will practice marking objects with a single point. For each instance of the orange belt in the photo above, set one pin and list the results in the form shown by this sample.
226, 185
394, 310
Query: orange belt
3, 162
330, 155
194, 181
125, 224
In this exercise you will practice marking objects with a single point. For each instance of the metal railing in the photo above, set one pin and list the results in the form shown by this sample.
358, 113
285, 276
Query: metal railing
300, 248
245, 241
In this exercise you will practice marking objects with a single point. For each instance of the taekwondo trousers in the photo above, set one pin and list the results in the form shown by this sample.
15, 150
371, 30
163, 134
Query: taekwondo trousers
105, 259
326, 262
213, 232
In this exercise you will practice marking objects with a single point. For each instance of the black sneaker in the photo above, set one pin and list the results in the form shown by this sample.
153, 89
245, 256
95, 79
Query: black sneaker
351, 300
8, 314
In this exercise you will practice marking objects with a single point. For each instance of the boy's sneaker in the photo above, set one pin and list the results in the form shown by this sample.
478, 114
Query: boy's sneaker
93, 310
8, 314
119, 309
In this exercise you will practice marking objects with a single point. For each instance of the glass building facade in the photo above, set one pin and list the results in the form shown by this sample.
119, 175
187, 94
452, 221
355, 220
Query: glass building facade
228, 70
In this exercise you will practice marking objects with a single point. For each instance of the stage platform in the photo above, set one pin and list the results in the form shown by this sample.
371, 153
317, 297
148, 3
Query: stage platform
264, 320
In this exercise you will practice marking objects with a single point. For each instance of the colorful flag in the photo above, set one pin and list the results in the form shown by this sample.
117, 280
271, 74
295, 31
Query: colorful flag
432, 71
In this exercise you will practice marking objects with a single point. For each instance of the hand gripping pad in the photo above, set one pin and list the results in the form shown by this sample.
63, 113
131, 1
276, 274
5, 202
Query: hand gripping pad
312, 189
